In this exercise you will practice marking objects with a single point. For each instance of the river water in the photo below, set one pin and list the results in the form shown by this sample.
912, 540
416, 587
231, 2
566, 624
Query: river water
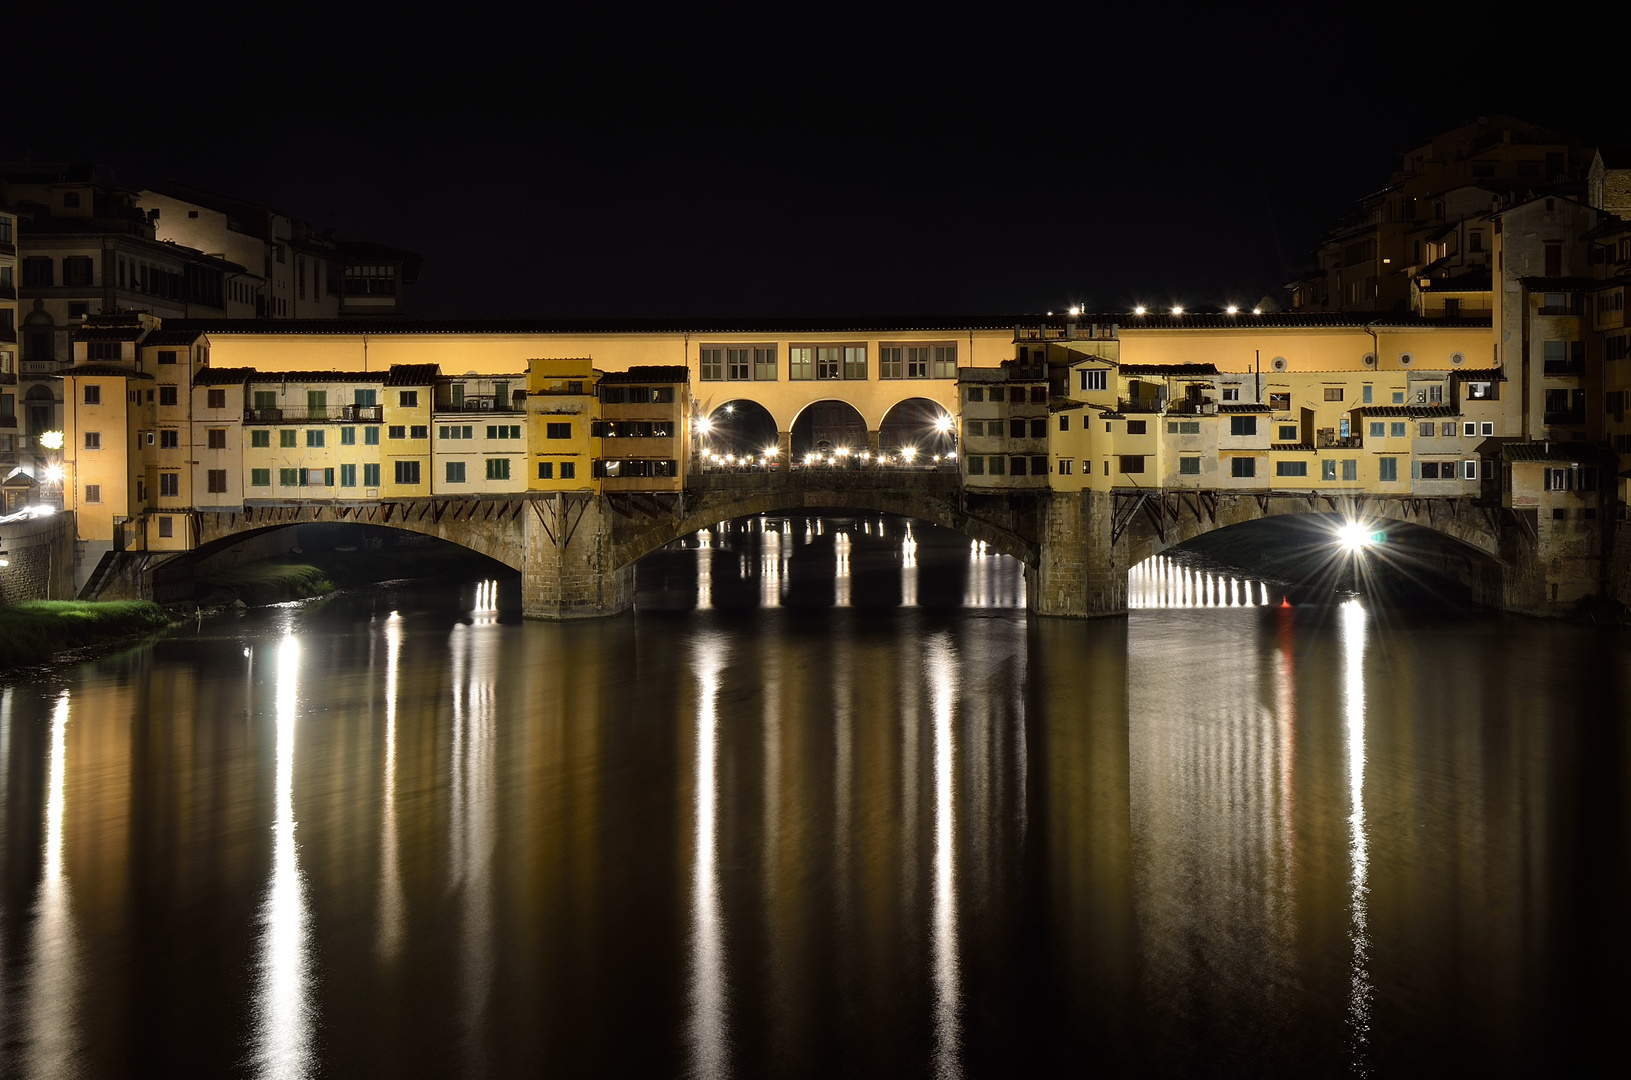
828, 803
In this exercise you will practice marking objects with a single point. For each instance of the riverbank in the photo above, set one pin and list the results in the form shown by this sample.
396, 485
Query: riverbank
39, 631
302, 575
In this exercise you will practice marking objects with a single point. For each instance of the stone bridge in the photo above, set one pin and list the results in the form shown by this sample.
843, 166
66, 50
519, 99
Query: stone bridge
576, 551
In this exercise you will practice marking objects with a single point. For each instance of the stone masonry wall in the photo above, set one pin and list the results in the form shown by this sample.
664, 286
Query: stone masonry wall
568, 570
1076, 575
41, 555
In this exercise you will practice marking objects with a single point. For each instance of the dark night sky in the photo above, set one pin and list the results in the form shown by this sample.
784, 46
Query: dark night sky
804, 159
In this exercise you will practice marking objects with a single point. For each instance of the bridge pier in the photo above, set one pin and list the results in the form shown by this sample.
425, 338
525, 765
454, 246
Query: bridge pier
567, 569
1077, 574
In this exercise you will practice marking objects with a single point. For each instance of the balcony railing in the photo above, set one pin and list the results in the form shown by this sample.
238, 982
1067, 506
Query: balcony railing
1339, 442
38, 367
361, 414
1141, 405
481, 404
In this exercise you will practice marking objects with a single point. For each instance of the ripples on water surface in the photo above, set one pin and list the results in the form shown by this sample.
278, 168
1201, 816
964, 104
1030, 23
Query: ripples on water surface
858, 815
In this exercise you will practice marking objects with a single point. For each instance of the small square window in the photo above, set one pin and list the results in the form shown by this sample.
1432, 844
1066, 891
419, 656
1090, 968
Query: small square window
216, 399
348, 436
93, 493
408, 399
93, 394
1398, 430
370, 436
546, 470
569, 470
286, 437
1486, 428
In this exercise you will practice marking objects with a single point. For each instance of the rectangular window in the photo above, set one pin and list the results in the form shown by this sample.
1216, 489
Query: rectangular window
167, 395
286, 437
917, 361
1365, 393
546, 470
316, 403
408, 399
215, 399
1282, 402
1469, 470
1132, 463
569, 470
314, 438
455, 472
1387, 469
370, 436
1291, 468
1288, 433
93, 394
365, 399
217, 438
976, 393
736, 364
712, 365
1447, 429
1242, 466
265, 399
348, 436
1427, 429
889, 363
855, 361
976, 466
1333, 393
1064, 422
407, 472
557, 431
93, 493
167, 527
1350, 469
1136, 427
764, 363
827, 362
288, 478
1094, 379
1398, 397
370, 476
169, 439
1231, 393
945, 361
1469, 429
498, 468
93, 440
1016, 428
1429, 470
261, 437
1398, 429
419, 431
1065, 466
1487, 428
397, 431
1328, 469
1243, 425
348, 476
1189, 466
998, 466
1016, 466
167, 356
260, 477
801, 362
1378, 429
217, 481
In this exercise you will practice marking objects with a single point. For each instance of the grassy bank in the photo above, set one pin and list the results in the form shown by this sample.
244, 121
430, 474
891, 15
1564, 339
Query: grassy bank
34, 632
269, 581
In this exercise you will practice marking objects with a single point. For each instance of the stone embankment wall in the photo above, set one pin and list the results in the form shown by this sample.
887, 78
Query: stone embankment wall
41, 555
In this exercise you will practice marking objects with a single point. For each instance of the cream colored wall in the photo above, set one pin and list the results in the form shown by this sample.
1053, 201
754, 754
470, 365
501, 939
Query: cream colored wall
230, 459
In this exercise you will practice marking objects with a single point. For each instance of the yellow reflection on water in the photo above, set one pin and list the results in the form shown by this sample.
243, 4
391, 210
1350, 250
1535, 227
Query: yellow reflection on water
390, 871
948, 1034
283, 1021
1353, 694
53, 1032
708, 1029
473, 815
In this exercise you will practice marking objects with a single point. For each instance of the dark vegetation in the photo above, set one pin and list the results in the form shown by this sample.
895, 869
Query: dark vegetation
39, 630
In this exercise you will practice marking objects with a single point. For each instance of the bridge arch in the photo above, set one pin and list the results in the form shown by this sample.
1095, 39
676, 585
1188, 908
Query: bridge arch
918, 422
740, 426
826, 425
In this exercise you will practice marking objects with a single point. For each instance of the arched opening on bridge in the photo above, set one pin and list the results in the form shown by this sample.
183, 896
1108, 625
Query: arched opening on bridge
830, 429
299, 559
737, 430
831, 557
1316, 558
920, 426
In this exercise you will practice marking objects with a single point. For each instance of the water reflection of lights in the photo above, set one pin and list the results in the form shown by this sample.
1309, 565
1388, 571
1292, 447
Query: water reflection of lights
948, 1037
486, 599
992, 579
708, 1030
770, 568
473, 816
283, 1019
908, 568
705, 573
1360, 989
52, 1027
841, 580
390, 872
1161, 582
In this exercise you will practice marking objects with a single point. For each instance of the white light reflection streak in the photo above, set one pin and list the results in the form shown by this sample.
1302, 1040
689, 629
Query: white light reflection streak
1360, 988
841, 582
705, 570
53, 1034
708, 1031
948, 1036
282, 1012
474, 665
390, 870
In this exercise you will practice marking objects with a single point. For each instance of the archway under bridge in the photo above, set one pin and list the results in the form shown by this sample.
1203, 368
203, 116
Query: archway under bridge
739, 429
827, 427
1309, 555
920, 425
